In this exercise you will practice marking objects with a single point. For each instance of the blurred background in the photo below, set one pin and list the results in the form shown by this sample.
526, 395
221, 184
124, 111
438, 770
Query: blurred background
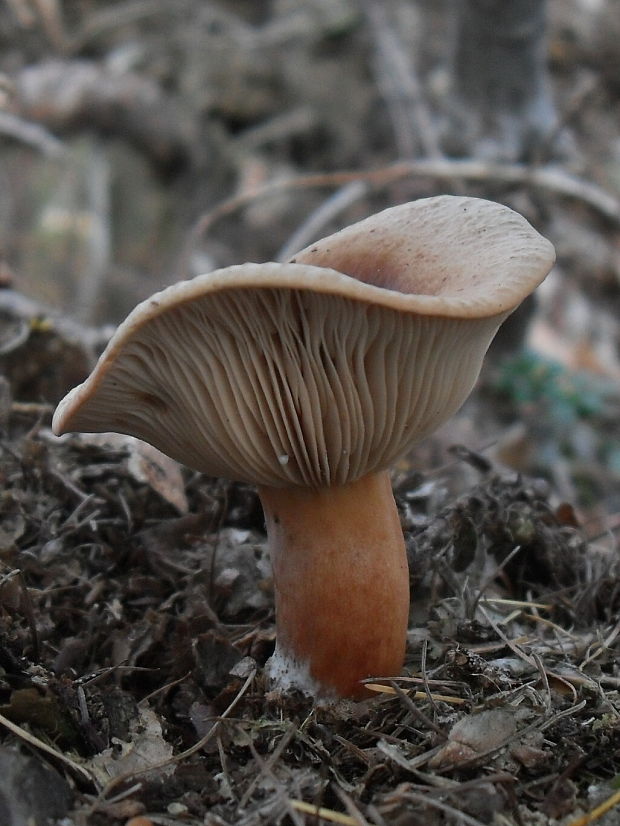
145, 141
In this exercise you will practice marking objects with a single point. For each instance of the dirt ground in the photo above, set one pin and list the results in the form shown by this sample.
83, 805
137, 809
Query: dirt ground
150, 140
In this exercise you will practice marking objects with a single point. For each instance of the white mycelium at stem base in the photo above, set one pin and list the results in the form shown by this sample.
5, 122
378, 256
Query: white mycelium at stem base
309, 379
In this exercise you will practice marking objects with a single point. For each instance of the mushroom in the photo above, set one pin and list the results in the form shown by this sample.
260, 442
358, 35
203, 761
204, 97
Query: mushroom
309, 379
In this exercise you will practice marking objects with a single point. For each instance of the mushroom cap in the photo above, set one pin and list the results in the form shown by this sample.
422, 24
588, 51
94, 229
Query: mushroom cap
319, 371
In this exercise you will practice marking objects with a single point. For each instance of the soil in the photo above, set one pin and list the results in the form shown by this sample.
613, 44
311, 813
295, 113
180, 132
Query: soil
136, 605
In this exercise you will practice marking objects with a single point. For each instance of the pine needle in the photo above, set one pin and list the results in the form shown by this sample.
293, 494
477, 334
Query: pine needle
417, 695
326, 814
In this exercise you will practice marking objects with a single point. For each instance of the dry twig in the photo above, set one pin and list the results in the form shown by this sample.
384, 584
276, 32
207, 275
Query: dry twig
549, 178
24, 735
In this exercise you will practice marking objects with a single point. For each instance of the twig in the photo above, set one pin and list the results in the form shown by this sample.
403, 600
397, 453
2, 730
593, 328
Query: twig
417, 680
547, 178
376, 815
519, 603
32, 408
317, 220
491, 578
326, 814
417, 695
545, 680
39, 744
604, 645
510, 643
391, 750
278, 128
417, 712
391, 75
31, 134
424, 673
571, 108
567, 712
145, 700
402, 91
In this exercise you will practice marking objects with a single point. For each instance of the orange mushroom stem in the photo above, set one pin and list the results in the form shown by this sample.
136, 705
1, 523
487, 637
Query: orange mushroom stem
341, 584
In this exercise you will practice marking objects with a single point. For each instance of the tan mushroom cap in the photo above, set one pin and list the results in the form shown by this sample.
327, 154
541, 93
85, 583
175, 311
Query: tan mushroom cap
318, 372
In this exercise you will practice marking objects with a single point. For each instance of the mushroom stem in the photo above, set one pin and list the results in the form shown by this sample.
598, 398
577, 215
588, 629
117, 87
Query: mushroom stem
341, 584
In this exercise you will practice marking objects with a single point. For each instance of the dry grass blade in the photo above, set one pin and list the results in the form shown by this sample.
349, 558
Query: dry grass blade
516, 603
516, 649
417, 695
392, 751
325, 814
602, 647
567, 712
424, 672
417, 712
545, 680
549, 624
39, 744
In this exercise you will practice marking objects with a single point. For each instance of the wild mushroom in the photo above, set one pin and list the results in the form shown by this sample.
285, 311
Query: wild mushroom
309, 379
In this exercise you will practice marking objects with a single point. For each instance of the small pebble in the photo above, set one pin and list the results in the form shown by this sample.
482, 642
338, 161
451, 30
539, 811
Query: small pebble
177, 809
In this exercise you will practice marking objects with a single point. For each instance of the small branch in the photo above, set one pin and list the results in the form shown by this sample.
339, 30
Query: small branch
30, 134
278, 128
98, 235
323, 813
317, 220
39, 744
400, 86
547, 178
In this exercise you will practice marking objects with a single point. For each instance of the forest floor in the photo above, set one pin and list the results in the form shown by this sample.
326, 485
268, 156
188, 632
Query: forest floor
136, 606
